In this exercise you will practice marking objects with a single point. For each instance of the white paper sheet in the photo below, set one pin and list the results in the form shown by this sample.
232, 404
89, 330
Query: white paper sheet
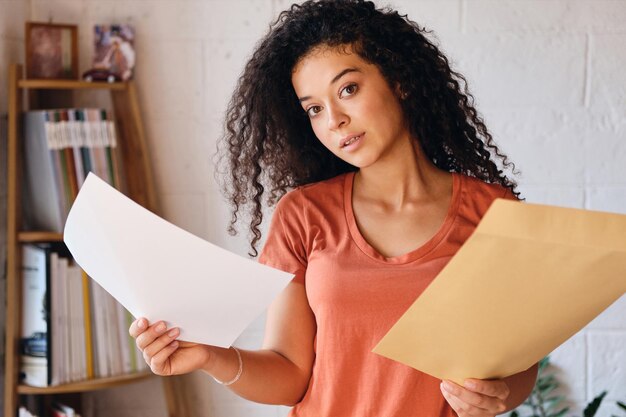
159, 271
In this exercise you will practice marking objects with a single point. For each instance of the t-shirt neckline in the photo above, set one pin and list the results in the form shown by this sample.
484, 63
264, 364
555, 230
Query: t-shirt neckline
415, 254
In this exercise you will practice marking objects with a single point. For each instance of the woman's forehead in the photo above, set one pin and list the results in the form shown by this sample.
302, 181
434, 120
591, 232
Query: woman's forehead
327, 55
323, 64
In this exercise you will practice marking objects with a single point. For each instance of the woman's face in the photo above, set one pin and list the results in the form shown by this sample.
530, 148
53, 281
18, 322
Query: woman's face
353, 111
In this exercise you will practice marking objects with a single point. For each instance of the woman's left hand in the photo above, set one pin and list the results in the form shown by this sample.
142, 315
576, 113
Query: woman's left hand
478, 397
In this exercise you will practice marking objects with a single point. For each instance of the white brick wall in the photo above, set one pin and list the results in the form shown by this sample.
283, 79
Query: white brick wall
548, 75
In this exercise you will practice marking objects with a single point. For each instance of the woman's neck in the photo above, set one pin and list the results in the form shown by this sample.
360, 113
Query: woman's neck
403, 178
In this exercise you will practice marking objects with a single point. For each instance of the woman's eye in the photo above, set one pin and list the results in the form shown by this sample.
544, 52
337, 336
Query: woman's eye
348, 90
313, 110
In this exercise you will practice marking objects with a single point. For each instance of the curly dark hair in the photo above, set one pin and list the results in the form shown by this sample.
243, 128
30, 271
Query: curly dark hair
269, 142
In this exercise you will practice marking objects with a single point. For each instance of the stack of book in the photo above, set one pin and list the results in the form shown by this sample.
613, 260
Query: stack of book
60, 148
72, 329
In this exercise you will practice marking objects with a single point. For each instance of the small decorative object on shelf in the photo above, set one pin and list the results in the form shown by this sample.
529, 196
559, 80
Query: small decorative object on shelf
101, 74
51, 51
114, 54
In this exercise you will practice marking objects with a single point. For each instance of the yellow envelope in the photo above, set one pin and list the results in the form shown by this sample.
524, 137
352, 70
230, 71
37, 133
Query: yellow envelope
527, 279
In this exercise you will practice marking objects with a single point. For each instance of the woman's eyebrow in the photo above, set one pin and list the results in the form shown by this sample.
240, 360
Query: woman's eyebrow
334, 80
342, 73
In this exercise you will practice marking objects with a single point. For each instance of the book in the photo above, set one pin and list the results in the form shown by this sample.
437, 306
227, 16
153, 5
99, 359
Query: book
56, 300
87, 324
43, 197
34, 356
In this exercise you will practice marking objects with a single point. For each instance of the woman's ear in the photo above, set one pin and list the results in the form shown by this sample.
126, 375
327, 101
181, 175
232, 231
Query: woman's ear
400, 93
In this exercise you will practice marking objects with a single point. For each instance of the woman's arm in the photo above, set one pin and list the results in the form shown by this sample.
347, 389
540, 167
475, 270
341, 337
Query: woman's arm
277, 374
280, 372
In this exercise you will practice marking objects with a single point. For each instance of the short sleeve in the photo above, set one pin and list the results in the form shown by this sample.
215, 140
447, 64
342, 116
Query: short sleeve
284, 247
508, 194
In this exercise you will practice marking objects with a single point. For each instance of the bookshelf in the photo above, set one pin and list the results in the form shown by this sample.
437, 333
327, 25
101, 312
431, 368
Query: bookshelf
37, 94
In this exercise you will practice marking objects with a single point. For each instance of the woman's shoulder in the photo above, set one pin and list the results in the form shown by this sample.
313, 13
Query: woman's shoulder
478, 195
482, 190
316, 194
334, 184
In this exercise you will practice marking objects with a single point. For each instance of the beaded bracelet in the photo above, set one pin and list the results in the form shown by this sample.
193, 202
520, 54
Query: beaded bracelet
239, 372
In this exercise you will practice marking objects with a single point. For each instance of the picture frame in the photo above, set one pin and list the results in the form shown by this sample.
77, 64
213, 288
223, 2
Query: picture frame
51, 50
114, 52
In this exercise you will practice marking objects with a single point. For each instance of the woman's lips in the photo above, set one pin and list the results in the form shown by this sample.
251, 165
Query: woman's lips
353, 143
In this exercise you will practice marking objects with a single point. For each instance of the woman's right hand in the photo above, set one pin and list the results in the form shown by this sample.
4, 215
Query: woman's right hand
163, 353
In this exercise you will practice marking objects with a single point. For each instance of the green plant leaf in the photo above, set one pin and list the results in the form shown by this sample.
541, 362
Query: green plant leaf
544, 362
553, 402
592, 407
562, 412
547, 386
621, 405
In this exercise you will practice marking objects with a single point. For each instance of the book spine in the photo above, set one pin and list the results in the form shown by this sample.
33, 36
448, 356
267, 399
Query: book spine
34, 358
55, 319
76, 145
43, 208
87, 314
64, 330
110, 144
122, 330
71, 172
95, 311
131, 344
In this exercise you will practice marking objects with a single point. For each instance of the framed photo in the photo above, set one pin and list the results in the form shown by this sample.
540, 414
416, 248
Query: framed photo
114, 50
51, 51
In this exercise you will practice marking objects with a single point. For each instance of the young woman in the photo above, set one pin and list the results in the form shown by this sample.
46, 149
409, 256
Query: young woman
355, 119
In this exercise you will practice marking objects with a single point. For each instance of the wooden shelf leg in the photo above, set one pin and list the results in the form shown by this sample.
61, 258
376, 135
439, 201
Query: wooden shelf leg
176, 397
13, 294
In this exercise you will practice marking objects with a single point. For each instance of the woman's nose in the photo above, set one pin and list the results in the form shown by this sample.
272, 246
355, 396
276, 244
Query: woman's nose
337, 118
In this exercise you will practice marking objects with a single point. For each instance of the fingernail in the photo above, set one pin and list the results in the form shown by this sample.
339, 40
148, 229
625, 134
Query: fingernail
174, 344
160, 328
448, 387
141, 324
173, 333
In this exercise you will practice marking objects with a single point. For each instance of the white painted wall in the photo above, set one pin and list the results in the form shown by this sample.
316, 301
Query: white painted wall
13, 14
549, 77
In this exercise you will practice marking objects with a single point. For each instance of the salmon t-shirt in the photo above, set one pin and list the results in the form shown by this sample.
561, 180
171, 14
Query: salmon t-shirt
357, 295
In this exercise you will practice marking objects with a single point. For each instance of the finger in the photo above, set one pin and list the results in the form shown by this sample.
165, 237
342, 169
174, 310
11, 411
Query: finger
158, 363
461, 408
161, 342
480, 401
138, 326
492, 388
150, 334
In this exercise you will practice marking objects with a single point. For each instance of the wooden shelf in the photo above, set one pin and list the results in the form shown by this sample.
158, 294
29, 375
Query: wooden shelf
70, 85
87, 385
37, 236
42, 94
